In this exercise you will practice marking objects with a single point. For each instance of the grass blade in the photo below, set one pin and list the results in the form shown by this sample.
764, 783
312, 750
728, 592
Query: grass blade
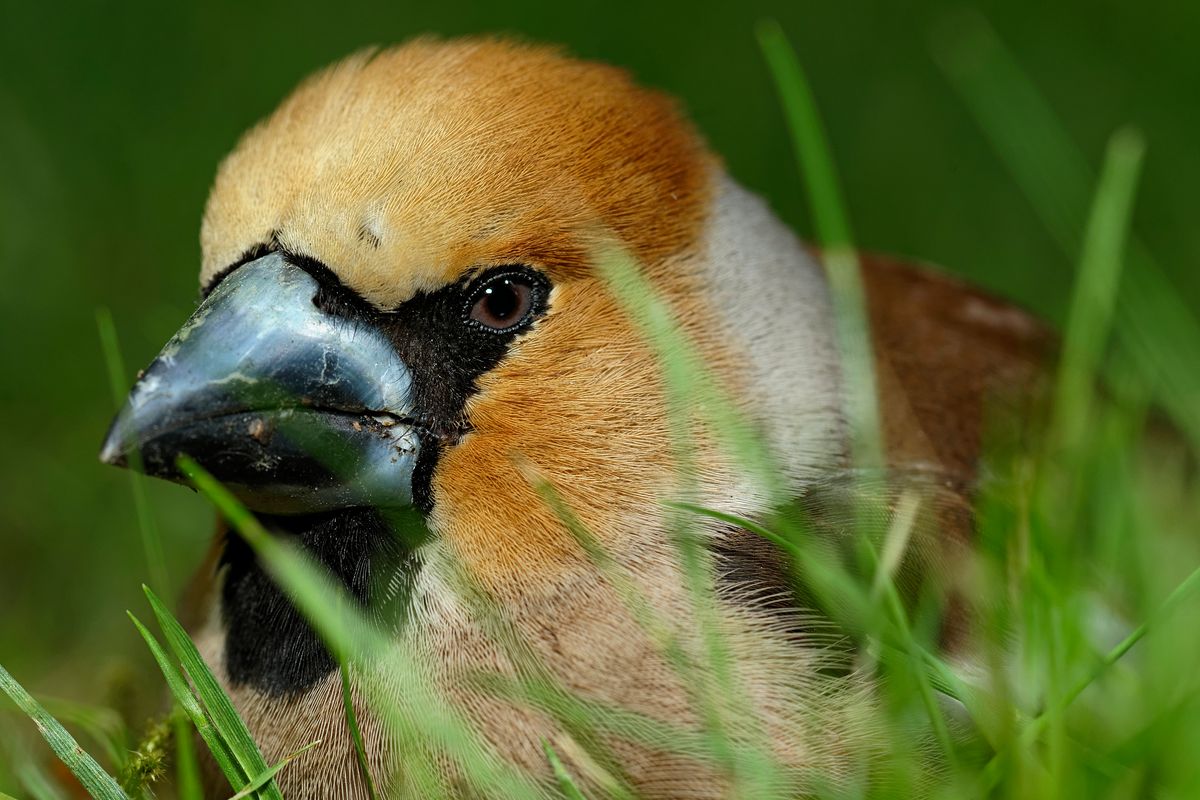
693, 393
850, 603
187, 769
565, 782
347, 633
259, 780
1030, 140
103, 725
152, 546
895, 544
360, 751
833, 232
838, 590
100, 784
691, 389
994, 769
808, 137
39, 785
329, 609
1094, 297
220, 710
191, 706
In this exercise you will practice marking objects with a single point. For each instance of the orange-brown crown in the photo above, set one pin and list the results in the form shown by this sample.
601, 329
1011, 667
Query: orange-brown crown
401, 169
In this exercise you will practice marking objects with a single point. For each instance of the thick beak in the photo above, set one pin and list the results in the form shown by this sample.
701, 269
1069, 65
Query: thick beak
294, 409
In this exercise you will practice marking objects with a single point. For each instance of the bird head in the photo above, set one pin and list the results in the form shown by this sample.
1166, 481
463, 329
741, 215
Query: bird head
402, 305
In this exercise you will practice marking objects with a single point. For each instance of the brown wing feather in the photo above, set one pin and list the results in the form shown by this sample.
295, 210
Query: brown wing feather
950, 358
953, 365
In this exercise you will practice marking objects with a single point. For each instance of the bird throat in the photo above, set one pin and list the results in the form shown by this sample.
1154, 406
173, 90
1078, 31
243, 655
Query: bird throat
269, 645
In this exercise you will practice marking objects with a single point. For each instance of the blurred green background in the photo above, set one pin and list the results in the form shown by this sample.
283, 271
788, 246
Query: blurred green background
113, 117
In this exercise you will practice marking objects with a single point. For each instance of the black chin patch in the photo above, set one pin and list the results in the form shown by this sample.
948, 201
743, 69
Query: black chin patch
268, 643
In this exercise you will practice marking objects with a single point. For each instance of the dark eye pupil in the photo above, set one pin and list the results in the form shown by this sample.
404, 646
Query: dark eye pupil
503, 304
503, 301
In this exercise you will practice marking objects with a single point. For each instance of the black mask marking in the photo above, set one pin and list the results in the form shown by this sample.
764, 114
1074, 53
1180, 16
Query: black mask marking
269, 645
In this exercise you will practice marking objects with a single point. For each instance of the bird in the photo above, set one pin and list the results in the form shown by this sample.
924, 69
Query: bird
405, 309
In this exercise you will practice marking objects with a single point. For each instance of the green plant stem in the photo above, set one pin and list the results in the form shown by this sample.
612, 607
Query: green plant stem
187, 769
360, 751
1056, 178
152, 548
833, 232
260, 780
993, 770
1094, 297
565, 782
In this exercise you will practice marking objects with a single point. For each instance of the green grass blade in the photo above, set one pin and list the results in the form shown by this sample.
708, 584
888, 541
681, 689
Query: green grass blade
1094, 297
850, 602
1153, 313
220, 709
895, 544
152, 546
360, 751
39, 785
330, 610
582, 724
1020, 124
187, 768
833, 232
993, 771
839, 591
691, 389
808, 136
903, 630
4, 796
182, 693
1032, 143
260, 780
103, 725
99, 783
347, 633
701, 692
694, 394
1181, 592
565, 782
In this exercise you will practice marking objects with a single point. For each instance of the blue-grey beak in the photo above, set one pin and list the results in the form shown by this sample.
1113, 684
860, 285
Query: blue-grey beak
294, 409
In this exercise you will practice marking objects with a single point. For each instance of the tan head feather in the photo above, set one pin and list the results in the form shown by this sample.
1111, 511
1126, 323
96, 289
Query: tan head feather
401, 169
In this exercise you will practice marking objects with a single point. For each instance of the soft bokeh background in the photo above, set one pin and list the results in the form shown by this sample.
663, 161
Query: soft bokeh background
113, 117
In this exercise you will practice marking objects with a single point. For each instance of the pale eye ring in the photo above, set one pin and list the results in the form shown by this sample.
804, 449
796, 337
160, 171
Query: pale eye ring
503, 303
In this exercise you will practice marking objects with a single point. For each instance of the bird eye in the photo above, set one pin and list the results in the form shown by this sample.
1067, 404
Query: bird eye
503, 303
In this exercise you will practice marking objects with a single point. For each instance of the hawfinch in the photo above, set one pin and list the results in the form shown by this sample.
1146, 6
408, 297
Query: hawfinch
402, 308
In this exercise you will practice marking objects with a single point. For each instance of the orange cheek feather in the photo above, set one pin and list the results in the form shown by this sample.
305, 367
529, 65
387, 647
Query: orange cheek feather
579, 402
